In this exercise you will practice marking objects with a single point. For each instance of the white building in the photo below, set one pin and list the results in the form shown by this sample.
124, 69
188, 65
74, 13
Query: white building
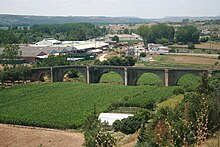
48, 42
111, 117
157, 48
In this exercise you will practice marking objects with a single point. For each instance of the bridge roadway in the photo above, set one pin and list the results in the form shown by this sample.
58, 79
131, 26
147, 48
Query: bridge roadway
129, 75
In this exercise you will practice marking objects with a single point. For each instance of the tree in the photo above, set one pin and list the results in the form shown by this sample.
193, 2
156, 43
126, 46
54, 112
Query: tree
160, 33
187, 34
191, 46
143, 54
94, 134
7, 37
143, 32
115, 38
10, 54
190, 122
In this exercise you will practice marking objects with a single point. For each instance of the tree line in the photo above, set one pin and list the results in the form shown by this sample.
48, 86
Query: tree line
164, 34
12, 71
72, 32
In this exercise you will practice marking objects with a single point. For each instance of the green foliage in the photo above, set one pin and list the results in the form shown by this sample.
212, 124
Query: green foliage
160, 33
189, 122
94, 134
131, 124
53, 61
7, 37
118, 61
14, 74
59, 105
178, 91
116, 125
219, 57
143, 54
115, 38
172, 51
111, 77
10, 53
143, 32
149, 96
191, 46
204, 39
76, 31
187, 34
189, 82
149, 79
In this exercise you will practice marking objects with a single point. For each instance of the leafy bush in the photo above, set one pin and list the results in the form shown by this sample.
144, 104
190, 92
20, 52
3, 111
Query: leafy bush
172, 51
150, 104
116, 125
178, 91
131, 124
191, 46
143, 54
118, 61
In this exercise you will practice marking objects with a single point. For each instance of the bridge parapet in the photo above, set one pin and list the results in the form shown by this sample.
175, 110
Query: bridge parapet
130, 75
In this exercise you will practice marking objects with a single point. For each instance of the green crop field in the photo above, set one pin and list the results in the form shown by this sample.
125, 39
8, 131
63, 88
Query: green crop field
67, 104
154, 93
60, 105
111, 77
149, 79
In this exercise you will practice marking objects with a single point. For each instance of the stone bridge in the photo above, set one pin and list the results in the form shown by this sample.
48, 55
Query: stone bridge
129, 75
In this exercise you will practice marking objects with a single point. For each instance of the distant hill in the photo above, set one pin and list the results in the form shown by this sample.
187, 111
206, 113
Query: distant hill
31, 20
8, 20
179, 19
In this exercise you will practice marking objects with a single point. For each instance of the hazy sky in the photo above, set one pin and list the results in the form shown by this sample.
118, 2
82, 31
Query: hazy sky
139, 8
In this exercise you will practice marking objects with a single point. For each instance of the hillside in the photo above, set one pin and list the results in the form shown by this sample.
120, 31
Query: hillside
8, 20
65, 105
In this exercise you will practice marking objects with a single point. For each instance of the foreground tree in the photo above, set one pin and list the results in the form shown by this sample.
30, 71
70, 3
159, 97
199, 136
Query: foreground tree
190, 122
94, 134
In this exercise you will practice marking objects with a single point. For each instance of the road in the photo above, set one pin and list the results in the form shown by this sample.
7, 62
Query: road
16, 136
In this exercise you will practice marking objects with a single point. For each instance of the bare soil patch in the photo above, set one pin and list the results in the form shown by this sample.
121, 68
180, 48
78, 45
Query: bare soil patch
1, 67
16, 136
194, 60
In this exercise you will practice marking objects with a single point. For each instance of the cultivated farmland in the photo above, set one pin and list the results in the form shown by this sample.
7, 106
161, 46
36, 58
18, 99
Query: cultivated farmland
60, 105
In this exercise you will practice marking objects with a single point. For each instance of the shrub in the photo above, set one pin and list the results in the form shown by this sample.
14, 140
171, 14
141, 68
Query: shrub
178, 91
143, 54
150, 104
219, 57
116, 125
172, 51
191, 46
130, 125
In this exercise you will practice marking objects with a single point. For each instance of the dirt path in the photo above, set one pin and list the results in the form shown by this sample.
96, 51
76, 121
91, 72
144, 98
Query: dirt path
102, 57
20, 136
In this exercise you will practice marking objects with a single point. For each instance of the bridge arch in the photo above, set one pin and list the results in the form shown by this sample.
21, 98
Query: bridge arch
73, 76
78, 72
135, 74
188, 80
175, 75
97, 73
149, 79
111, 77
44, 77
